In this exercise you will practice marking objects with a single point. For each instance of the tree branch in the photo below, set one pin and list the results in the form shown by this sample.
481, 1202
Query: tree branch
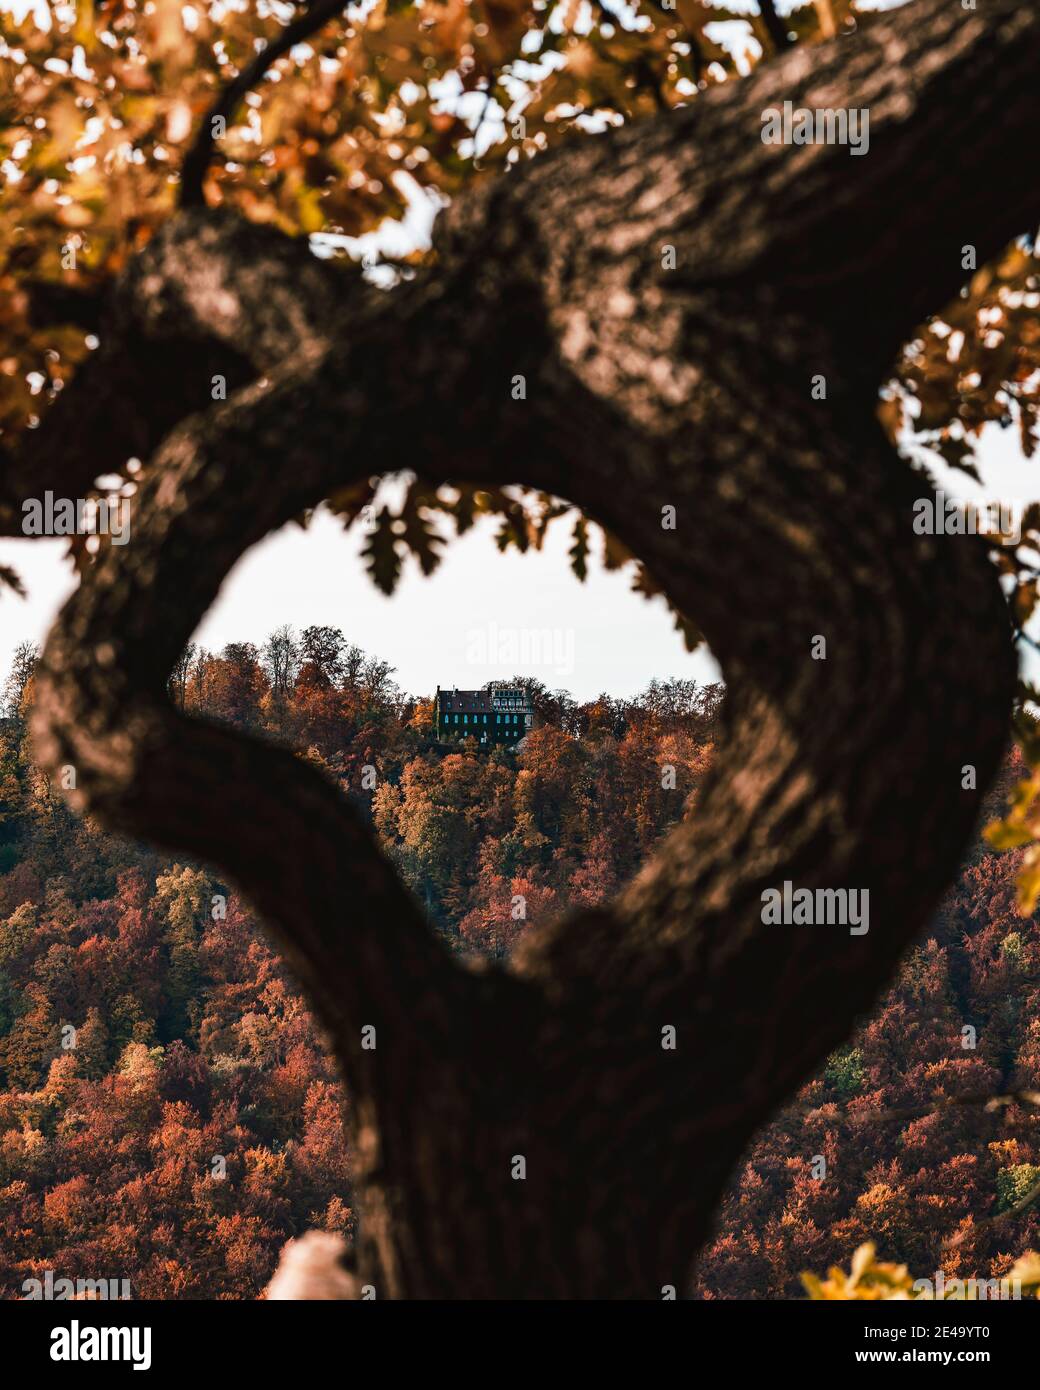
775, 27
53, 302
166, 322
197, 160
645, 387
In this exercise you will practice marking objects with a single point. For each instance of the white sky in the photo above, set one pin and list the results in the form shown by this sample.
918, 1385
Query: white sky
445, 629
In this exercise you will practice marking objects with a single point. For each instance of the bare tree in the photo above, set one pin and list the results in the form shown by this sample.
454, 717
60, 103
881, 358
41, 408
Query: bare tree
200, 673
563, 1125
23, 665
376, 682
180, 674
281, 659
352, 667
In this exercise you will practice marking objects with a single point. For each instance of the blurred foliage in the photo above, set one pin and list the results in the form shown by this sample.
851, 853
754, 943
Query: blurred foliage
872, 1279
99, 103
1019, 828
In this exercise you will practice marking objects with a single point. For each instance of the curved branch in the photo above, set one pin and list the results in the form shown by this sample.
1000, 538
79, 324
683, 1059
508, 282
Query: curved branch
196, 161
210, 298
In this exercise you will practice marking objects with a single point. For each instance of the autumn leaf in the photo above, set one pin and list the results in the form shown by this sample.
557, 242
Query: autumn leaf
9, 580
380, 553
579, 551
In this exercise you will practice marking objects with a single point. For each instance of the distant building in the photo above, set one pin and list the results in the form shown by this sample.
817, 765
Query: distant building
489, 716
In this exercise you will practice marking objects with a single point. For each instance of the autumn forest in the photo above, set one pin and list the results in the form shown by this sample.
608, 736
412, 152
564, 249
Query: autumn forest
169, 1114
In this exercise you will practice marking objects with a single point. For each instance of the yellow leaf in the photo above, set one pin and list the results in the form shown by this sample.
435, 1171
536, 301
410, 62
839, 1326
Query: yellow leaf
1026, 1269
1004, 835
1029, 881
862, 1260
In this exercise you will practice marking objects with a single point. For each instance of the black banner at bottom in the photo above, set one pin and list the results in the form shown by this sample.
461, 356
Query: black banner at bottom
77, 1338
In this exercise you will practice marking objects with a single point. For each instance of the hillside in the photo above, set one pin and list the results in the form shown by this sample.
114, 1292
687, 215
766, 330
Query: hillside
168, 1114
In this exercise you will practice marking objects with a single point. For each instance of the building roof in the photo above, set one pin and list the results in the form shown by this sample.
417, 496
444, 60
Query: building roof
486, 701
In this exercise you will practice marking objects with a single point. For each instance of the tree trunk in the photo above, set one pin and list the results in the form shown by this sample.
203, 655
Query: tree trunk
646, 387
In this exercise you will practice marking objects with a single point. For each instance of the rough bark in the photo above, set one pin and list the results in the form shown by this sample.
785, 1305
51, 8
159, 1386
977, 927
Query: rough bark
645, 387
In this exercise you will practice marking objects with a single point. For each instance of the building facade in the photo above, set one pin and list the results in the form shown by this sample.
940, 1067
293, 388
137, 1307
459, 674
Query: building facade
489, 716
